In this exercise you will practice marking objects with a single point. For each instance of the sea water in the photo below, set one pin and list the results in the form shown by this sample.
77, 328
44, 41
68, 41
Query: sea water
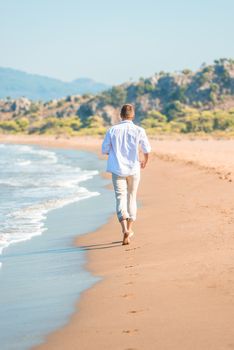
47, 198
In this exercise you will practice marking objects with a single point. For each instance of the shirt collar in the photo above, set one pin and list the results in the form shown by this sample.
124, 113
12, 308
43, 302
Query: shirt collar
126, 121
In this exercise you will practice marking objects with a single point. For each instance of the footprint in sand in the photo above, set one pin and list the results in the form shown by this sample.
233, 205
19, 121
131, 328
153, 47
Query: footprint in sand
128, 331
128, 283
134, 311
127, 295
127, 250
129, 266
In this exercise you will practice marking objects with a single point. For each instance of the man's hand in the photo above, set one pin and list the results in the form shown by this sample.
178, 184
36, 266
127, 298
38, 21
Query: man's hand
145, 160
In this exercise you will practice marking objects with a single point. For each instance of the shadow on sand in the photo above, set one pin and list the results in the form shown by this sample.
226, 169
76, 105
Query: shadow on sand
101, 245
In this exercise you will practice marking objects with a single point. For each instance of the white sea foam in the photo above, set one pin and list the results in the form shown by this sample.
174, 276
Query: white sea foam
22, 162
49, 156
31, 219
44, 182
34, 182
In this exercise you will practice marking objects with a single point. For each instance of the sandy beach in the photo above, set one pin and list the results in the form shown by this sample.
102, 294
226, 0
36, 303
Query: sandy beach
173, 286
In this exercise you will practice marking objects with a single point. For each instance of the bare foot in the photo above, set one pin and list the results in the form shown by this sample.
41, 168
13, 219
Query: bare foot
126, 239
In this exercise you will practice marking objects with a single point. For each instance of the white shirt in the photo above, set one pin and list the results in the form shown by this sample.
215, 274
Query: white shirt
121, 143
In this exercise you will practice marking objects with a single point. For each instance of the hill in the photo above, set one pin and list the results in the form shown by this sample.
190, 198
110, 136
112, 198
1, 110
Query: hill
15, 84
184, 102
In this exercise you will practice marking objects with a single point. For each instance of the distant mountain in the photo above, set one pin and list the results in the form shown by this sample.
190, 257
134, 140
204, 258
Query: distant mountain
15, 84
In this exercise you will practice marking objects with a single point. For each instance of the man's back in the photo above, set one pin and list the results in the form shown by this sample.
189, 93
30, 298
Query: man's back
121, 143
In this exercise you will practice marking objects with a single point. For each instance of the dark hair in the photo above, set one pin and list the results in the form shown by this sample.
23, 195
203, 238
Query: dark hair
127, 110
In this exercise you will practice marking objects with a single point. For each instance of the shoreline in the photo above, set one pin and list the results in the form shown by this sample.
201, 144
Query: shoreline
35, 267
172, 288
204, 153
86, 143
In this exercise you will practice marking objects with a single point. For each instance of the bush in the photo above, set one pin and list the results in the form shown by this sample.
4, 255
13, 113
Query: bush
153, 119
59, 104
50, 125
223, 120
174, 110
73, 122
115, 96
199, 122
190, 120
9, 126
93, 122
23, 124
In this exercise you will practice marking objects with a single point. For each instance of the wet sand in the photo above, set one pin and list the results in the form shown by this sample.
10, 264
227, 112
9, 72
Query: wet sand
173, 286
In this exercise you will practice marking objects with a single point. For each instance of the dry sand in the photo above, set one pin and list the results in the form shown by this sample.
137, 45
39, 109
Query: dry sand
211, 154
173, 286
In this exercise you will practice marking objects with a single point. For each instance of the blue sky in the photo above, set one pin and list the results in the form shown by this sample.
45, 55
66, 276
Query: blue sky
113, 41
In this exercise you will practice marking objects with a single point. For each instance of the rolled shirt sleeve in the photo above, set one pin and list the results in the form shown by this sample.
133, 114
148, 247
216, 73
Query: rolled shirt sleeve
106, 144
144, 142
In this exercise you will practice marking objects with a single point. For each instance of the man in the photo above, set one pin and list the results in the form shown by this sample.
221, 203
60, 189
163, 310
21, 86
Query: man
121, 143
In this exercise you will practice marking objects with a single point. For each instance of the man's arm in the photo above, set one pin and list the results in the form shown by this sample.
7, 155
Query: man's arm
145, 160
146, 148
106, 144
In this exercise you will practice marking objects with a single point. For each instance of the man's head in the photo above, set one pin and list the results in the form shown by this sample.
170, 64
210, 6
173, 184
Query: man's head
127, 112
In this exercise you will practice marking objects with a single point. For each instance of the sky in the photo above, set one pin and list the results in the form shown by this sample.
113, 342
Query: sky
113, 41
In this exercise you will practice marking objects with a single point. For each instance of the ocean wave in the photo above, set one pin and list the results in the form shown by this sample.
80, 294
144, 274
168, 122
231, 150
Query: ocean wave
34, 182
49, 156
23, 162
30, 220
50, 181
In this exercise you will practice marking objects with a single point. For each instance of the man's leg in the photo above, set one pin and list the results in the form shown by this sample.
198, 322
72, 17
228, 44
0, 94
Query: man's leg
129, 226
120, 187
132, 187
126, 232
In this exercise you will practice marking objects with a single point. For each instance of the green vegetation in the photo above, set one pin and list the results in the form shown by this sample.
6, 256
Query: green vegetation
187, 102
116, 96
54, 126
191, 120
188, 120
15, 126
